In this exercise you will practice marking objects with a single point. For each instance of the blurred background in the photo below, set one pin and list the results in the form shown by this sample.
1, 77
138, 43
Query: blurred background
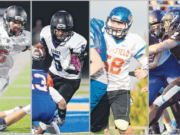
19, 90
77, 120
139, 10
163, 5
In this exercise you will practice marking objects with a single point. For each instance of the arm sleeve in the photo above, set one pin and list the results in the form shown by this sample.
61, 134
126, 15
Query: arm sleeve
139, 48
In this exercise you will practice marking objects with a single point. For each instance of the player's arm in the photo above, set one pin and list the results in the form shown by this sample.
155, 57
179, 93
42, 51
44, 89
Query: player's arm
162, 46
96, 62
156, 61
143, 72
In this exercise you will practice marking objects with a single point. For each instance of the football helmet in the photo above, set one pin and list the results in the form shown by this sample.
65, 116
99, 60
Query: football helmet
155, 24
62, 21
14, 13
120, 15
171, 20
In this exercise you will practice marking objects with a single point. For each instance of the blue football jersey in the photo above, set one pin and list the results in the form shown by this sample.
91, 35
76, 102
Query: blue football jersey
39, 81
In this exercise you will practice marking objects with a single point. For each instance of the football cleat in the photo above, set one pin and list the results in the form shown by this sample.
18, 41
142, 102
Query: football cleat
3, 125
60, 122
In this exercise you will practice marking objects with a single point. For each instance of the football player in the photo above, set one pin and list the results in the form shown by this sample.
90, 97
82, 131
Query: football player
121, 47
171, 23
46, 98
13, 40
97, 68
66, 48
160, 65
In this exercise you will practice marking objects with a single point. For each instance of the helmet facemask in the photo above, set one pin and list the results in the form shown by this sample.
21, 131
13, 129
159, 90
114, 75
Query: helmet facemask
118, 32
12, 27
63, 37
156, 29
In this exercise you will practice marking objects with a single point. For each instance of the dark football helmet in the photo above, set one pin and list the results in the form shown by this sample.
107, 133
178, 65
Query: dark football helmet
63, 21
171, 20
14, 13
121, 15
155, 17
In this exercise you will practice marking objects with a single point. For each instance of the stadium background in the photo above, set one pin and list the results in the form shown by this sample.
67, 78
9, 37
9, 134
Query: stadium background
19, 90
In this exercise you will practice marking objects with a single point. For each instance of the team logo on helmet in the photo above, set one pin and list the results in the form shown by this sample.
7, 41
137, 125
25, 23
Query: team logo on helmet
175, 16
130, 17
61, 26
19, 18
116, 18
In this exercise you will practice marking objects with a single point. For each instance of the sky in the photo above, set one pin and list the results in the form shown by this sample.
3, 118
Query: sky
139, 10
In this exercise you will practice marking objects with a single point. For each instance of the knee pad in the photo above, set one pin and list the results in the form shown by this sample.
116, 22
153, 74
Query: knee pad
3, 125
121, 124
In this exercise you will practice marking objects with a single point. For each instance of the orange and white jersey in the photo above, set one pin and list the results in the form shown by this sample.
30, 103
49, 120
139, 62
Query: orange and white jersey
119, 54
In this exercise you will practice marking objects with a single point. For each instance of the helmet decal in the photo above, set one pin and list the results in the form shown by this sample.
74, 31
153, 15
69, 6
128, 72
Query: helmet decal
130, 17
175, 16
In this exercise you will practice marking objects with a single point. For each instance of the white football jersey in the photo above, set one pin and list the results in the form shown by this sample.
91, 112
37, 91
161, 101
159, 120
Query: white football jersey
76, 44
118, 59
9, 49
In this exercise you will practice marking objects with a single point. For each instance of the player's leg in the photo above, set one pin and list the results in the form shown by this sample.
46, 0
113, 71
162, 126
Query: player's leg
176, 112
17, 115
99, 116
66, 88
59, 100
120, 104
7, 112
155, 84
170, 97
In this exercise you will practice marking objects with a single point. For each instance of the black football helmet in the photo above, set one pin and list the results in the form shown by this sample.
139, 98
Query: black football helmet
62, 20
171, 20
15, 13
155, 17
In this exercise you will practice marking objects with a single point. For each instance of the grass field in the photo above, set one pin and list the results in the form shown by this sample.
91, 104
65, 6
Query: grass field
18, 93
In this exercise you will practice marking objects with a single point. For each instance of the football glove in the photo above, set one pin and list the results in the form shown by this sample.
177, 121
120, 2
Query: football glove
37, 54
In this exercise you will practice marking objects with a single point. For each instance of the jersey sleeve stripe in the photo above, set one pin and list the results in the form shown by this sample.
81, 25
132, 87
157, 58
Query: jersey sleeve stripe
139, 56
92, 46
139, 51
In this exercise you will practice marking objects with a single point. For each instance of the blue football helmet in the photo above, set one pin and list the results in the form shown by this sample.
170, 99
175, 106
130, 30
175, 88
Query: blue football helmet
155, 17
120, 15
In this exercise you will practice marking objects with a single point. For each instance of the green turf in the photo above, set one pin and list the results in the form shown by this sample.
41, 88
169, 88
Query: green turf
18, 93
79, 92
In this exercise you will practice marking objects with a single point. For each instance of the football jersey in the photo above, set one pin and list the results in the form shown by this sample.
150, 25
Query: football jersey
119, 54
39, 82
10, 47
76, 44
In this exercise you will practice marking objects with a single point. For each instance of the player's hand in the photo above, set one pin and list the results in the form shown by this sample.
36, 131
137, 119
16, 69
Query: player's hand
152, 65
151, 58
145, 89
37, 54
60, 122
141, 73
